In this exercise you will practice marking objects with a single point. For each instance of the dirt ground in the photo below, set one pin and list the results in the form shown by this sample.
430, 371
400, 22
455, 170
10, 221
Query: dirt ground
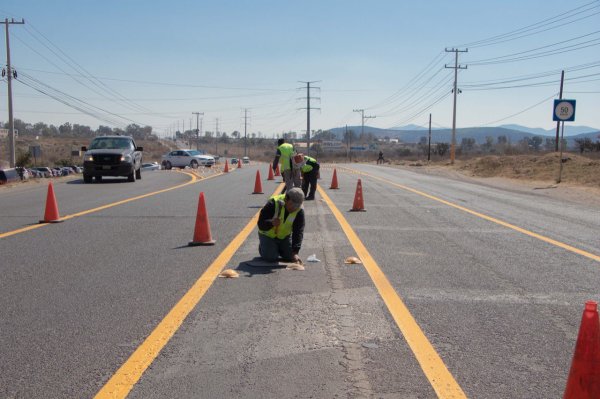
580, 178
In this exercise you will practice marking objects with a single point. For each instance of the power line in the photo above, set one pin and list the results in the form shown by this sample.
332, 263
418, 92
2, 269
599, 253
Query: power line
519, 33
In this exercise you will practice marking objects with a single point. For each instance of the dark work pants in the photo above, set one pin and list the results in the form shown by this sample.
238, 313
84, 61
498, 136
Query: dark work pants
310, 179
270, 249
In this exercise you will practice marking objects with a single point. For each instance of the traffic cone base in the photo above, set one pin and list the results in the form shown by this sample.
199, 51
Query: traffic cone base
51, 213
271, 177
202, 235
359, 204
334, 181
584, 377
257, 184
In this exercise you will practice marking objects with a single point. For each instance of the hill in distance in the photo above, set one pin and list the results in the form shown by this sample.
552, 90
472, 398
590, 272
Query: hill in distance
514, 133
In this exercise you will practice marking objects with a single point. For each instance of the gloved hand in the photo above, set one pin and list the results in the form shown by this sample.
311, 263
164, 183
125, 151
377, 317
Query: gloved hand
296, 259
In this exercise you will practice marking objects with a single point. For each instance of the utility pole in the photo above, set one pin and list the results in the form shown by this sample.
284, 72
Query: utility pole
10, 74
197, 130
216, 140
363, 117
245, 132
429, 146
308, 98
456, 67
562, 81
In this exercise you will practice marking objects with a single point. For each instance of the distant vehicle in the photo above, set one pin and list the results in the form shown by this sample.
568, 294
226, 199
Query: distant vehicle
151, 166
245, 160
44, 171
112, 156
183, 158
9, 175
234, 161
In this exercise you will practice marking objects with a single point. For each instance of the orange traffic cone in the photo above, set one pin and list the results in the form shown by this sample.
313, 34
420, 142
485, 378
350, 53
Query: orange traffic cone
239, 164
257, 184
202, 234
51, 213
584, 377
277, 172
226, 169
359, 205
334, 182
270, 173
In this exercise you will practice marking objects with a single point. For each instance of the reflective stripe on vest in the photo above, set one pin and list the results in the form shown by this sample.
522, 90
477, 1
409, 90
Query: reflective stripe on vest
285, 228
286, 150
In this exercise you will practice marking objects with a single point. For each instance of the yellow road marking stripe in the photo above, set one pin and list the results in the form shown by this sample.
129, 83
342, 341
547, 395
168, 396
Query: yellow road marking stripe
434, 368
122, 382
491, 219
37, 226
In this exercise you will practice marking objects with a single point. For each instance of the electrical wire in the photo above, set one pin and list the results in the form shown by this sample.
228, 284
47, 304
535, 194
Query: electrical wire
519, 33
522, 111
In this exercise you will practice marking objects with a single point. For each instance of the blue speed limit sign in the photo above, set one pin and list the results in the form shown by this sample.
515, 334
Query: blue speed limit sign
564, 110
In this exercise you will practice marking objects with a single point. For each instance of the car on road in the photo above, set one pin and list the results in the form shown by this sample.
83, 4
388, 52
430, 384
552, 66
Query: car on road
112, 156
245, 160
234, 161
151, 166
183, 158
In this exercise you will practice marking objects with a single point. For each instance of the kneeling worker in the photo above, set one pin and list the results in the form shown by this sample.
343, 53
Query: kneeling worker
310, 171
281, 227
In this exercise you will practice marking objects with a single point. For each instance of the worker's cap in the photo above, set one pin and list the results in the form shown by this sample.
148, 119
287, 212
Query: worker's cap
296, 196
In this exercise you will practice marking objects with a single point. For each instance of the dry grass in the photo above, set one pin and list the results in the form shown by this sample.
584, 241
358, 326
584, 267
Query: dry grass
577, 169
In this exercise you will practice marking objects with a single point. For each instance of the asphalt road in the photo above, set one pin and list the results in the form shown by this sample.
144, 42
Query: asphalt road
499, 306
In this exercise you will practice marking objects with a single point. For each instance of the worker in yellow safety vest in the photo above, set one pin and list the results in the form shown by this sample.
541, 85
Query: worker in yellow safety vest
310, 172
281, 227
284, 155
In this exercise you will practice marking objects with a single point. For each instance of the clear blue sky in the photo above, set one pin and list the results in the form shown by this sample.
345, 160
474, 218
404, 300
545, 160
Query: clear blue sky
156, 62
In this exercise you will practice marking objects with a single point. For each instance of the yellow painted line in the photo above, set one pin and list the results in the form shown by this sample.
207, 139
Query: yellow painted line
122, 382
491, 219
100, 208
434, 368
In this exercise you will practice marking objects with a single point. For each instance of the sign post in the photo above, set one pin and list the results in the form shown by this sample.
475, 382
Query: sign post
564, 111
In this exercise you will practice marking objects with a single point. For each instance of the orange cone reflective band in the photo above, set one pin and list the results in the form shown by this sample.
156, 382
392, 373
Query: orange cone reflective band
334, 182
226, 170
202, 234
359, 204
257, 184
584, 377
277, 172
51, 213
271, 177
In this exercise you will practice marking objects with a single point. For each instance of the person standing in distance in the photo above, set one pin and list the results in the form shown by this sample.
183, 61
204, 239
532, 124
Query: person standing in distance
285, 152
310, 171
281, 227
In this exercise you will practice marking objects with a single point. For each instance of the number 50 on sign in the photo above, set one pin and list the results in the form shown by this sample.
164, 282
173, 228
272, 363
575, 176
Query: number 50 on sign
564, 110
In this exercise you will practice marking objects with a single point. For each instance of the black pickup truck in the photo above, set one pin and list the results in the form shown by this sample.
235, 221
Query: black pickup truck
112, 156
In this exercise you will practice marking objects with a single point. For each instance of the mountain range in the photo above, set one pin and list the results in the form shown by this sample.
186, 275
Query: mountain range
513, 133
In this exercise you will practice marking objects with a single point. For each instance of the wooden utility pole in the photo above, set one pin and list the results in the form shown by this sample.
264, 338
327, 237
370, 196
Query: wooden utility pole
562, 81
10, 74
197, 129
456, 67
429, 146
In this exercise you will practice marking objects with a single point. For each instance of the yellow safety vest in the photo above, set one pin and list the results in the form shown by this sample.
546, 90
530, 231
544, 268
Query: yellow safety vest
285, 228
306, 167
286, 150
